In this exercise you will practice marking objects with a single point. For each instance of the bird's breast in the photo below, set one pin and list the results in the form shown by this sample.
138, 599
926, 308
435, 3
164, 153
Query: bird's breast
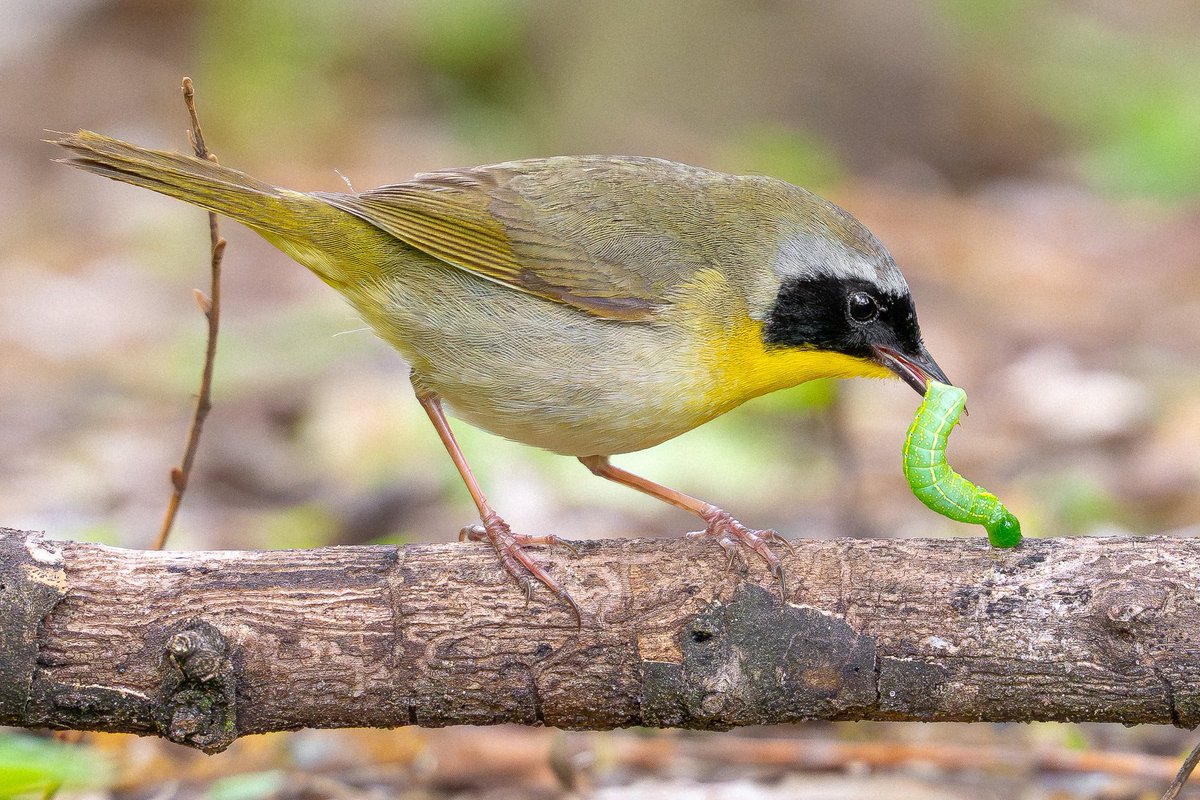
551, 376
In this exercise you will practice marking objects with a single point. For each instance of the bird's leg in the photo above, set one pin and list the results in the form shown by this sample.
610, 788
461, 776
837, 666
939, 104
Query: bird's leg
508, 545
728, 532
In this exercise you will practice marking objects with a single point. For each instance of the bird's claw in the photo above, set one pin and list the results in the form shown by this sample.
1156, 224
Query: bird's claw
775, 537
732, 536
478, 533
472, 533
516, 562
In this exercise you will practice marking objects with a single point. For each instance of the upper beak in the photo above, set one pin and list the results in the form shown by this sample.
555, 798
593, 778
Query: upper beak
915, 370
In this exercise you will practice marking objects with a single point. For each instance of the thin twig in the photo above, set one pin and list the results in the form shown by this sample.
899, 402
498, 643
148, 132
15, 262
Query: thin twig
1185, 772
211, 306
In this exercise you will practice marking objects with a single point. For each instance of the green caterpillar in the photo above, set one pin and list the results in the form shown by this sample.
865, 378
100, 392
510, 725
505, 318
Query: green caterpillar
938, 486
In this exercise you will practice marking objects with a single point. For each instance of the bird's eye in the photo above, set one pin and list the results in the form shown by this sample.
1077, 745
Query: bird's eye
862, 307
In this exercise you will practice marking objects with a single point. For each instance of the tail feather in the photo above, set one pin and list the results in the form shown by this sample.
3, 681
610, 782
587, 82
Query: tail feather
207, 184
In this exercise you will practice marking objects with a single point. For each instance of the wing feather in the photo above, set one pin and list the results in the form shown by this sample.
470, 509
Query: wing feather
472, 220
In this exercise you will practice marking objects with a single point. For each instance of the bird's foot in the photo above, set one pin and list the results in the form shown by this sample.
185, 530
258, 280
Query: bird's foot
733, 535
517, 563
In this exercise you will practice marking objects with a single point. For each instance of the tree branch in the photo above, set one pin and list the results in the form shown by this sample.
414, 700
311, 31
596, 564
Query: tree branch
204, 647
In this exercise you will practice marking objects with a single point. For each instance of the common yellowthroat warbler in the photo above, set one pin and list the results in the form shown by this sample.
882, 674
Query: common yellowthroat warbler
588, 305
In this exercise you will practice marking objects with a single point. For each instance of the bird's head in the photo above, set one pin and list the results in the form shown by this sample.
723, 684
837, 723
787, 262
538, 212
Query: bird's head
840, 292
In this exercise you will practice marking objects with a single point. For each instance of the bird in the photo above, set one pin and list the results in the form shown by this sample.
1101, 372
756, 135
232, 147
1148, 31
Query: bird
587, 305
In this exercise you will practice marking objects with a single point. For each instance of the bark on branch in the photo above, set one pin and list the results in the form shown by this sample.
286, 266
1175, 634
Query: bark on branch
204, 647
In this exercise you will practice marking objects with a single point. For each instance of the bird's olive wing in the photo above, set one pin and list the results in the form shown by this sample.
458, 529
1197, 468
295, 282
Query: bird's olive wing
474, 221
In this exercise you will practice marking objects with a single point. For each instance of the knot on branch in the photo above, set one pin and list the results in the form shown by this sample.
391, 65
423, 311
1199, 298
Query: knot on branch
198, 692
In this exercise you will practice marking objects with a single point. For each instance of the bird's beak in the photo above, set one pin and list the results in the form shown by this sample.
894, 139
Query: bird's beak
915, 370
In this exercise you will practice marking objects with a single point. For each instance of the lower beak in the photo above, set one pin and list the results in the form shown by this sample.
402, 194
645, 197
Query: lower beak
916, 370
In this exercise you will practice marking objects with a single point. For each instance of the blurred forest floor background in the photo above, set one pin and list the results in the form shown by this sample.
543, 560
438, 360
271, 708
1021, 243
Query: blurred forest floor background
1034, 167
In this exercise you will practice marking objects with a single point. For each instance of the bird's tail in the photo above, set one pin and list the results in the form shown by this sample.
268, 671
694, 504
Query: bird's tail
274, 212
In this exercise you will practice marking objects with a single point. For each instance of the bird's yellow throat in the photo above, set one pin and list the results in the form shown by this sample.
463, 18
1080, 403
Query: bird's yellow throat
732, 349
